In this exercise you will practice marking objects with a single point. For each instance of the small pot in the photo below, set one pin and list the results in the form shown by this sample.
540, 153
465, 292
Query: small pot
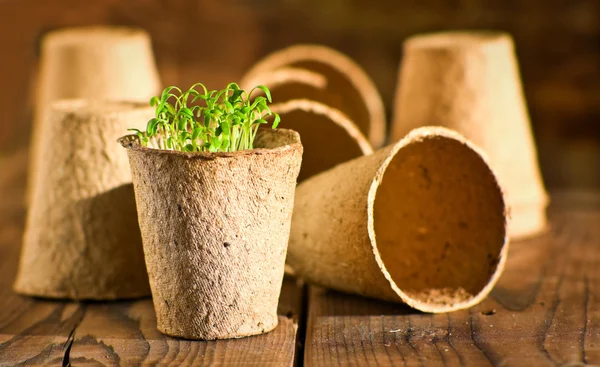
422, 222
215, 229
328, 136
469, 82
81, 238
348, 87
98, 62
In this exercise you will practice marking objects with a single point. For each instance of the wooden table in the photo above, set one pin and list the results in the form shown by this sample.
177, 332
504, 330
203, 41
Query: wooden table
544, 311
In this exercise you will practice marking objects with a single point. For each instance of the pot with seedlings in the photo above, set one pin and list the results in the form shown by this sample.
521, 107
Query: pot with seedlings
214, 196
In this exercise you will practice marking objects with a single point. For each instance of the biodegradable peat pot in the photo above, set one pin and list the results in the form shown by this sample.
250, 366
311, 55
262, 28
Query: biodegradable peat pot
82, 240
288, 83
215, 229
470, 82
348, 89
421, 222
100, 62
329, 138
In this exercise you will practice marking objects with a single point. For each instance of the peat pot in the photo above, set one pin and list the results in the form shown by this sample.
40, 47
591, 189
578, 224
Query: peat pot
422, 221
469, 82
100, 62
328, 136
324, 75
215, 229
81, 238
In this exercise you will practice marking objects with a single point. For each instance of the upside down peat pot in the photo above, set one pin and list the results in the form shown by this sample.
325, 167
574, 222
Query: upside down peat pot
215, 229
469, 82
98, 62
81, 238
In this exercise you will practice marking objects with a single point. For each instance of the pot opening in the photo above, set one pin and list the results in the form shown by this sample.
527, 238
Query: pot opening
329, 137
439, 222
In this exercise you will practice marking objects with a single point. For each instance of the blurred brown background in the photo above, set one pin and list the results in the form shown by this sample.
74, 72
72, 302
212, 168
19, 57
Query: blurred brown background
216, 41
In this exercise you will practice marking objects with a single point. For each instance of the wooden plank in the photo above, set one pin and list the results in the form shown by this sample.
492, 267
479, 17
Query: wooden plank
35, 331
544, 311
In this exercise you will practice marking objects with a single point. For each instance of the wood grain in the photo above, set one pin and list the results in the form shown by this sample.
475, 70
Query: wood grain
545, 310
43, 332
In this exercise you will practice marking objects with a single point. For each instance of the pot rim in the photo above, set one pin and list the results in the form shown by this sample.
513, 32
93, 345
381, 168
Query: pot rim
131, 141
417, 136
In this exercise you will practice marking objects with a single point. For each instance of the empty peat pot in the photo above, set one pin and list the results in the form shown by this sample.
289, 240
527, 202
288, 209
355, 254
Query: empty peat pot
289, 83
348, 88
469, 82
100, 62
215, 229
421, 222
82, 239
328, 136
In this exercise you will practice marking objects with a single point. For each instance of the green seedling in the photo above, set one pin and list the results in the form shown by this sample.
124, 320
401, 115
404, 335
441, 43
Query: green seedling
207, 121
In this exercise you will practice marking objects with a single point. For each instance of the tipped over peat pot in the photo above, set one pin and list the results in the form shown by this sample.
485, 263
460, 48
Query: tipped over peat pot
469, 82
215, 230
328, 136
421, 222
297, 72
82, 239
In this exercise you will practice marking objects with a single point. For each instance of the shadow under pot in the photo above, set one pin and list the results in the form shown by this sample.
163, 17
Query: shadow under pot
215, 229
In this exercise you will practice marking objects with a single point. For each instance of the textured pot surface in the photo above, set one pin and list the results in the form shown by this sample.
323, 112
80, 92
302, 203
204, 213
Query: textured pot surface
348, 88
100, 62
328, 137
421, 222
469, 82
215, 228
82, 240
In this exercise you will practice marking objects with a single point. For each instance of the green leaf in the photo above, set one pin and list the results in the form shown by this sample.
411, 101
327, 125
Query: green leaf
258, 101
229, 106
182, 124
233, 86
186, 112
196, 133
184, 135
152, 126
225, 127
276, 120
170, 108
266, 91
236, 95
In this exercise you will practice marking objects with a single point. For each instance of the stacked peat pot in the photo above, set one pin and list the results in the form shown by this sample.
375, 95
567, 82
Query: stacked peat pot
327, 98
324, 75
100, 62
82, 239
